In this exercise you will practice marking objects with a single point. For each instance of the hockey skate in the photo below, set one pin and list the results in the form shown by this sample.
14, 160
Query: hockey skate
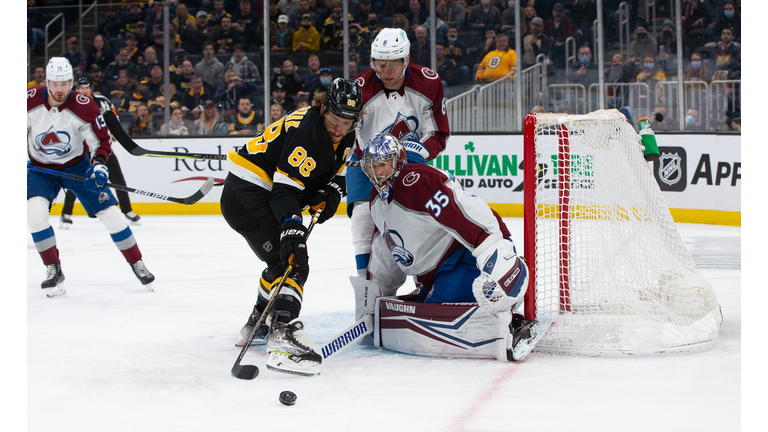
133, 218
145, 277
287, 354
524, 335
261, 334
65, 221
53, 285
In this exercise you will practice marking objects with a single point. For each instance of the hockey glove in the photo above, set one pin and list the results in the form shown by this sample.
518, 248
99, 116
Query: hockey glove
97, 174
416, 151
329, 196
293, 243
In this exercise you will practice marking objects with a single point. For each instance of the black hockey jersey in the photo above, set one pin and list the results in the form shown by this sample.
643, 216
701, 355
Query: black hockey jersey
292, 158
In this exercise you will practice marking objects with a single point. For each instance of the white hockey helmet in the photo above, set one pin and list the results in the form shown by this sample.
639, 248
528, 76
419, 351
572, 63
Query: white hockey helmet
391, 44
59, 69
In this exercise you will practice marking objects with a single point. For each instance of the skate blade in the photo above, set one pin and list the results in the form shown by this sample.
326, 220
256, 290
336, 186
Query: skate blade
132, 223
256, 341
65, 226
278, 362
150, 286
525, 348
55, 291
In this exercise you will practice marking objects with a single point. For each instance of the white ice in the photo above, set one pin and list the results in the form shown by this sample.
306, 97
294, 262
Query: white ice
112, 356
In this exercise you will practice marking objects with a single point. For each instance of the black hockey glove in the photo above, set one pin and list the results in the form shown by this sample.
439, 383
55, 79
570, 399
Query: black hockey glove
293, 244
329, 195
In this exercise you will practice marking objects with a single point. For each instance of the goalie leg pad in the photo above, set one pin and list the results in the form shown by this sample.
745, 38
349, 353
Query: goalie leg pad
458, 330
362, 229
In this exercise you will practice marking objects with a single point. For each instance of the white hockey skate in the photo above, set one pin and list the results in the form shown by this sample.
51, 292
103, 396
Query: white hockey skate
53, 285
524, 337
287, 354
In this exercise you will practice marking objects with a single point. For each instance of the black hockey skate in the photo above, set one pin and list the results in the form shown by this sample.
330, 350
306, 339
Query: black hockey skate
133, 218
53, 285
65, 221
524, 336
261, 335
287, 354
145, 277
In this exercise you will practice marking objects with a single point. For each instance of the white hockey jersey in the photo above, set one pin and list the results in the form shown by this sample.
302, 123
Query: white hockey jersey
428, 217
60, 136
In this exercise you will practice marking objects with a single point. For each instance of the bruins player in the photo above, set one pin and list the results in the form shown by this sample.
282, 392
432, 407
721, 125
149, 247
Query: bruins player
297, 162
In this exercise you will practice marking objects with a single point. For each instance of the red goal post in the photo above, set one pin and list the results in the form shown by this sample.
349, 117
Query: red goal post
606, 261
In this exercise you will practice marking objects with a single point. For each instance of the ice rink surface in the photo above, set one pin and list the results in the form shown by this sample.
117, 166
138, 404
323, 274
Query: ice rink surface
112, 356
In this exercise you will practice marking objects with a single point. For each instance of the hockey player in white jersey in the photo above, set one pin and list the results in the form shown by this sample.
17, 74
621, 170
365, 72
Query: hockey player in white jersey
66, 132
458, 250
115, 172
402, 99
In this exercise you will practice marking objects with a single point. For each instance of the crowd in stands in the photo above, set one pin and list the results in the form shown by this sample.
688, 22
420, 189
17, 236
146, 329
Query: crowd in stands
215, 49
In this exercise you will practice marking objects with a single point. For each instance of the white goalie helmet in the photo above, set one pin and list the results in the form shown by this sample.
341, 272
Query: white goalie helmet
383, 149
59, 69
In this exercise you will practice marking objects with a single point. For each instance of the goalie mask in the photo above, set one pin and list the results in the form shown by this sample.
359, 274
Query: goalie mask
383, 158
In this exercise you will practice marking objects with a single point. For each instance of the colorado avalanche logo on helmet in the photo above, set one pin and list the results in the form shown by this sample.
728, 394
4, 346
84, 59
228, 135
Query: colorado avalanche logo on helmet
404, 128
53, 142
395, 244
384, 43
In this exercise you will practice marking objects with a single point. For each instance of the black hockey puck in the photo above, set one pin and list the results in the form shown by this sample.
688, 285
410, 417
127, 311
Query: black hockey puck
288, 398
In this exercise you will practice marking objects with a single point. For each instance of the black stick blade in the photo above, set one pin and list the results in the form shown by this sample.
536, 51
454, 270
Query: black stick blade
245, 372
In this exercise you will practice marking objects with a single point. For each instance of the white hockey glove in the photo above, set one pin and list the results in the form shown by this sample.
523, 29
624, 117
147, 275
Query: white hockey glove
366, 292
97, 174
416, 151
503, 277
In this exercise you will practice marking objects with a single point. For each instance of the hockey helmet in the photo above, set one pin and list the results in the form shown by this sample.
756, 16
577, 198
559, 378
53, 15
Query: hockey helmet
83, 82
344, 99
383, 149
391, 44
59, 69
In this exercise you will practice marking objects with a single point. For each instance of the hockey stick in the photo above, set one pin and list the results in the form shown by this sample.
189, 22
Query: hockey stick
249, 372
195, 197
119, 133
351, 334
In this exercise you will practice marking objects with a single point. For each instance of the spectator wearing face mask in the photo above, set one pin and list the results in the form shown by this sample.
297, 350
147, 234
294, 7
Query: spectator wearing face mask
692, 122
667, 47
652, 74
584, 71
729, 17
697, 69
455, 50
326, 78
618, 73
640, 46
307, 38
358, 46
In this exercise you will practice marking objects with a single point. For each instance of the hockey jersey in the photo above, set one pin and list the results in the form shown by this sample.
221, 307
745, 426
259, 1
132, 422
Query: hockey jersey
60, 136
292, 158
416, 112
428, 217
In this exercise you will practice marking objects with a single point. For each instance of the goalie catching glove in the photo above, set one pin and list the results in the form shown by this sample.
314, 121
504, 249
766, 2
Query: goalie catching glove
97, 174
503, 276
328, 197
293, 242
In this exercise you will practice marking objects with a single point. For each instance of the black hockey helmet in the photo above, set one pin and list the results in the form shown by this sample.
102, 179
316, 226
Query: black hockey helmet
84, 81
344, 98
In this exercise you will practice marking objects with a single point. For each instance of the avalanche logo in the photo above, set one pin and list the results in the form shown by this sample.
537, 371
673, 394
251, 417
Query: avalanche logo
103, 197
53, 142
404, 128
395, 244
429, 73
411, 179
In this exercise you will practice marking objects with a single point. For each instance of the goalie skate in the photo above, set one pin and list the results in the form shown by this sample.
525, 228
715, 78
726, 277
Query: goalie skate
53, 285
524, 337
287, 354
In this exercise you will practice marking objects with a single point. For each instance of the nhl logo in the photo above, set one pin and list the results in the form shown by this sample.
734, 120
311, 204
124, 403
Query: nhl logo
267, 246
669, 168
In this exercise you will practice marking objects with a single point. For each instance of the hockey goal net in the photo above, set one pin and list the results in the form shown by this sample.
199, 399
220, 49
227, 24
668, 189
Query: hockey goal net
607, 263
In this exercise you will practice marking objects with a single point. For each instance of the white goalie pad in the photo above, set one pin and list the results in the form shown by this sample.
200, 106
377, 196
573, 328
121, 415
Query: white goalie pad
458, 330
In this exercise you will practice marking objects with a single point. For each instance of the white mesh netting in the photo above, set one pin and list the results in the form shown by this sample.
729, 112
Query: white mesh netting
611, 269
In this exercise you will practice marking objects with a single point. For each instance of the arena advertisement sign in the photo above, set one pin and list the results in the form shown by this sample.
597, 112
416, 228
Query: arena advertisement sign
694, 172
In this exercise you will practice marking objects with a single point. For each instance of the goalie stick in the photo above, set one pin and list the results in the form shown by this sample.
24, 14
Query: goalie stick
195, 197
249, 372
119, 133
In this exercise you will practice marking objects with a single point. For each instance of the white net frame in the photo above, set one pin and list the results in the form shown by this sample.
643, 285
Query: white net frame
607, 263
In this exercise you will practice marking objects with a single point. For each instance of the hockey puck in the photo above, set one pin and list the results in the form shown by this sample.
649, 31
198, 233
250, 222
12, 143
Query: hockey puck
288, 398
